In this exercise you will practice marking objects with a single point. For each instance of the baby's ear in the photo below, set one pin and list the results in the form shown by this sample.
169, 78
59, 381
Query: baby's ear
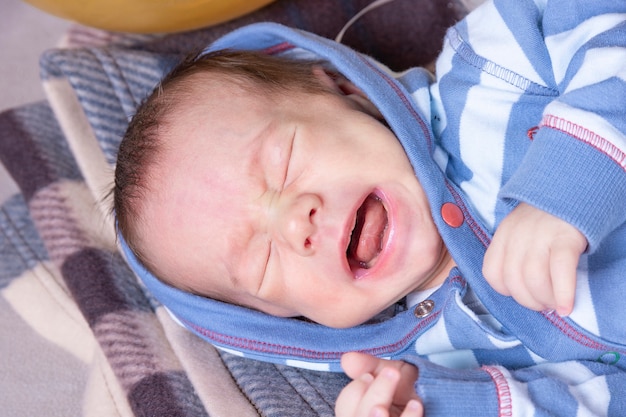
341, 85
326, 77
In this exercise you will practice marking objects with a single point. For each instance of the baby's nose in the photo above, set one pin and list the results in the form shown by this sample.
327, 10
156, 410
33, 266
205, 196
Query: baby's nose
297, 223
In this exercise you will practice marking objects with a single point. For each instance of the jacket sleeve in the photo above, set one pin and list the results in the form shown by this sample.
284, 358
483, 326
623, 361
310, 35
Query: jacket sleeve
565, 389
575, 167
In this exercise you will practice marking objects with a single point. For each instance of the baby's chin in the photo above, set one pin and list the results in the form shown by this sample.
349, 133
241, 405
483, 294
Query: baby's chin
345, 321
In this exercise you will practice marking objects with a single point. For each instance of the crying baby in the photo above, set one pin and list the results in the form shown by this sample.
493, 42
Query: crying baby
279, 189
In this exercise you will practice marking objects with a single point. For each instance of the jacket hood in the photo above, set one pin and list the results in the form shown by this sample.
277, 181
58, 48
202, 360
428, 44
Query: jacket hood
404, 101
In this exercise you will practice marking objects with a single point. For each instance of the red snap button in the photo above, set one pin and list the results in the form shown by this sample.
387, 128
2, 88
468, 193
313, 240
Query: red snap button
452, 215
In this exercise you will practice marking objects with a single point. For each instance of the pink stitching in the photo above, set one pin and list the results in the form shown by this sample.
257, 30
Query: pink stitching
478, 231
480, 234
585, 135
574, 334
278, 48
505, 401
407, 103
532, 132
259, 346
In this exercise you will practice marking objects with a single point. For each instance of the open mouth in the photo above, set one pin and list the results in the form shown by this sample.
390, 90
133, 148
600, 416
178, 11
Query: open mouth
367, 238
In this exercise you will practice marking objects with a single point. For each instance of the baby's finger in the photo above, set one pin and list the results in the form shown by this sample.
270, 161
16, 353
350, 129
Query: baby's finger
563, 266
383, 388
493, 266
520, 277
351, 396
379, 395
537, 280
522, 294
355, 364
414, 408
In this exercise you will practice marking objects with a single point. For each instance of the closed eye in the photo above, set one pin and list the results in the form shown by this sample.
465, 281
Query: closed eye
288, 163
263, 275
285, 183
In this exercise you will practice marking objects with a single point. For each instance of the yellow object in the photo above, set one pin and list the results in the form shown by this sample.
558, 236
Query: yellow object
148, 16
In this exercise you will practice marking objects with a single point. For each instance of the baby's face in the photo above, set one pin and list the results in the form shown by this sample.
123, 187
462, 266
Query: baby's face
303, 205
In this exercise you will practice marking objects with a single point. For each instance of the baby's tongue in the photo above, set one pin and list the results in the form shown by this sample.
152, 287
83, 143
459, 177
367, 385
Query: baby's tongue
372, 219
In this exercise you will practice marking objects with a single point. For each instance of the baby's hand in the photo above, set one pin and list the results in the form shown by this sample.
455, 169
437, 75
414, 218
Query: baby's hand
380, 388
533, 258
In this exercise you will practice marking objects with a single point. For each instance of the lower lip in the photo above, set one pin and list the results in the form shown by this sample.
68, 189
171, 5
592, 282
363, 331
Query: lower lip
388, 235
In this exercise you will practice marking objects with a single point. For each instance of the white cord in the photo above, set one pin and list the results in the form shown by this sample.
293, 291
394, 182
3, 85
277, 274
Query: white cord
356, 17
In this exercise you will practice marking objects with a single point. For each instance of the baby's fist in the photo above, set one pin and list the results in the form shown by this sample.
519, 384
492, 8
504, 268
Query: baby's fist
380, 388
533, 258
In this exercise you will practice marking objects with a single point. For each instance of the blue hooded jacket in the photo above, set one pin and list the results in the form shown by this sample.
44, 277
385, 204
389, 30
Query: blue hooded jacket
533, 114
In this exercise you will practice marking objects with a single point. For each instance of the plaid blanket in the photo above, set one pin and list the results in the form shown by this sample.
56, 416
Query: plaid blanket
90, 340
